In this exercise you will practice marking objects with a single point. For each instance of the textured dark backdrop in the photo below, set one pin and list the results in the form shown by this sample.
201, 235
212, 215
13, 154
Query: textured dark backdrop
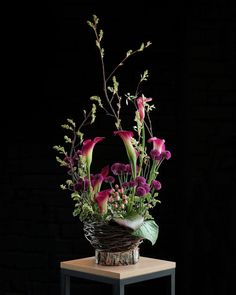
52, 69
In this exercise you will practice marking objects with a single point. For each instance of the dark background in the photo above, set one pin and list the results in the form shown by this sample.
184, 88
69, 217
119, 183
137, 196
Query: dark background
52, 70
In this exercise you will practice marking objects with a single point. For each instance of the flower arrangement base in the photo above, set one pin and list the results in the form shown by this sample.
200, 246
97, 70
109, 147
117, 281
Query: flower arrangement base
117, 258
113, 244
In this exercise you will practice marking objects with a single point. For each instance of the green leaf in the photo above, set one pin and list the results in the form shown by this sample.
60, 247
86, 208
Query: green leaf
62, 163
141, 47
132, 221
148, 44
128, 53
110, 88
69, 182
144, 76
148, 230
66, 126
118, 123
98, 99
63, 187
100, 35
93, 115
59, 149
95, 19
115, 84
90, 24
67, 139
71, 122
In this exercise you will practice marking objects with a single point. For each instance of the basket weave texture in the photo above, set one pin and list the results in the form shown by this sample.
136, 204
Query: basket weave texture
110, 237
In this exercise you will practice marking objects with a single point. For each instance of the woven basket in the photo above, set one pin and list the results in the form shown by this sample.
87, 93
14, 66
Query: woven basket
113, 243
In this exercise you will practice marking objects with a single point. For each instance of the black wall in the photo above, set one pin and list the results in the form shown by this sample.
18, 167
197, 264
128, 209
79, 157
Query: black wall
52, 69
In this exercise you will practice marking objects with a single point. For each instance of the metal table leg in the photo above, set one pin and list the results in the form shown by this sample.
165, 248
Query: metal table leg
65, 284
118, 289
173, 283
62, 283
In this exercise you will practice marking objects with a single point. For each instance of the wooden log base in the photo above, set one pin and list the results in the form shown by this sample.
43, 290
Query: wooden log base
117, 258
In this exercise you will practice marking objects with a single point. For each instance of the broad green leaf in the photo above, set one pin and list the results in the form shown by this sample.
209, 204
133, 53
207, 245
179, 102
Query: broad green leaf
133, 221
148, 230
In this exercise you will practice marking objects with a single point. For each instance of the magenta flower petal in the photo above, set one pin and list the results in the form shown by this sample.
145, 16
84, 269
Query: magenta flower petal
102, 199
146, 187
141, 101
99, 178
105, 171
158, 144
125, 184
132, 183
140, 191
167, 155
156, 184
109, 179
127, 136
140, 180
87, 149
155, 155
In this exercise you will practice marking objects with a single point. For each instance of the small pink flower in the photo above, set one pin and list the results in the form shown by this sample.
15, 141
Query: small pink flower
102, 199
141, 101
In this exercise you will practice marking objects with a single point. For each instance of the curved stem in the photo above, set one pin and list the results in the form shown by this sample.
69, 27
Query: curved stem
104, 77
142, 153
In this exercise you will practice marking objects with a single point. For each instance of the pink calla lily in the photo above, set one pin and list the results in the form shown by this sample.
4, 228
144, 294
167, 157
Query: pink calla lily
141, 101
158, 144
101, 176
127, 136
102, 198
87, 149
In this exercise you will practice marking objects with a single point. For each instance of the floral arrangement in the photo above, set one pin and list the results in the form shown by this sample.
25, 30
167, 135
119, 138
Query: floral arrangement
123, 193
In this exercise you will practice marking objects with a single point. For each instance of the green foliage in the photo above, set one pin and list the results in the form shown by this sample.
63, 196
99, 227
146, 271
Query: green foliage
144, 76
61, 162
63, 187
66, 126
86, 212
59, 149
93, 113
132, 221
148, 230
115, 85
141, 47
71, 122
67, 139
129, 52
118, 123
98, 99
